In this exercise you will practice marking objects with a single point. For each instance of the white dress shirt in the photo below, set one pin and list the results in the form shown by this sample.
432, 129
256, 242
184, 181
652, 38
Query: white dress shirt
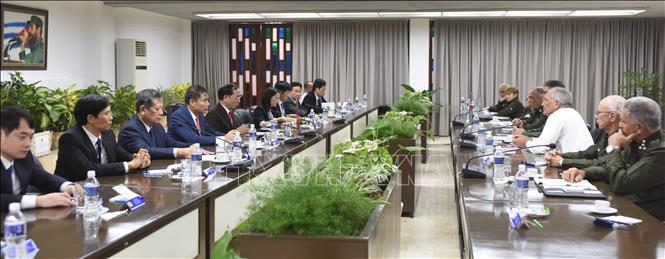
28, 201
567, 129
302, 97
104, 158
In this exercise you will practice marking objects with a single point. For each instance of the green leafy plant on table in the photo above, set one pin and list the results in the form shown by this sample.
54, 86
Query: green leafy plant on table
124, 105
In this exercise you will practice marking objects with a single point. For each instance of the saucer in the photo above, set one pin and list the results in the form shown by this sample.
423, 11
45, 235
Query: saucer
221, 161
536, 212
608, 210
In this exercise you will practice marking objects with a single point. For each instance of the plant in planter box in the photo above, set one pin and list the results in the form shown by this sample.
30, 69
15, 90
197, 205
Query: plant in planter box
388, 128
101, 88
123, 107
39, 101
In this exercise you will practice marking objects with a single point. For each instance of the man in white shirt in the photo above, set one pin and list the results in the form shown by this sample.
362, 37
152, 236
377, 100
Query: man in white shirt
564, 127
20, 168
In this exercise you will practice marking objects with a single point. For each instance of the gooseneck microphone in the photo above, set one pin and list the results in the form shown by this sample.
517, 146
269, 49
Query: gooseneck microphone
470, 135
470, 173
243, 146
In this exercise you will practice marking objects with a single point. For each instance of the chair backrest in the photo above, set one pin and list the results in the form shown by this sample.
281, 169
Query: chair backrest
243, 115
171, 109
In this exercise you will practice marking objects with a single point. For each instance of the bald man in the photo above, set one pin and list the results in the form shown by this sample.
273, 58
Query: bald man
608, 114
502, 101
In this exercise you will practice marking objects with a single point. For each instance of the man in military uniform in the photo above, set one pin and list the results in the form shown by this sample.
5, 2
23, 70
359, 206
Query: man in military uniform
34, 41
502, 103
608, 118
533, 117
634, 164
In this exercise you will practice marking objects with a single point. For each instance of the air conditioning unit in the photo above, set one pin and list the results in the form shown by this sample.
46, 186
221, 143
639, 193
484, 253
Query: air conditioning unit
131, 63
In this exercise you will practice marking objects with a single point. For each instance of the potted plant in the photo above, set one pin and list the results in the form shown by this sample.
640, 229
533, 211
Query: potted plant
418, 103
335, 209
641, 83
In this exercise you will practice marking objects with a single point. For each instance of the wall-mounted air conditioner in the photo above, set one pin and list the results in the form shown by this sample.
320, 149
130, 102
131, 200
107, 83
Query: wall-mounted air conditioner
131, 63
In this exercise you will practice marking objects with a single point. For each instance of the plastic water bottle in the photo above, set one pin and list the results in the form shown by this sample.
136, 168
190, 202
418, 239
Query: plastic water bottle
273, 133
237, 150
186, 174
356, 104
469, 117
312, 117
522, 187
197, 159
462, 106
91, 199
252, 140
364, 100
499, 166
480, 142
15, 232
489, 143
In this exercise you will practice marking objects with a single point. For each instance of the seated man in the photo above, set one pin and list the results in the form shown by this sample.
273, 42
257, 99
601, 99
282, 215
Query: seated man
634, 163
535, 131
308, 88
607, 116
564, 127
502, 103
20, 169
549, 84
314, 99
144, 130
513, 107
292, 105
284, 90
91, 144
222, 118
188, 124
533, 115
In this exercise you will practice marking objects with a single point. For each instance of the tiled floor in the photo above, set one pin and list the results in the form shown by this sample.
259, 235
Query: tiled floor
433, 232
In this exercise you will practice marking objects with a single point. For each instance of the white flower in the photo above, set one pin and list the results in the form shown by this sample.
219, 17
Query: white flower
350, 151
339, 156
403, 113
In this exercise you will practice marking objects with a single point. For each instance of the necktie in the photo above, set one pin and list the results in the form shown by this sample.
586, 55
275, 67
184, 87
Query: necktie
99, 150
198, 125
153, 140
318, 102
10, 171
297, 108
230, 115
281, 109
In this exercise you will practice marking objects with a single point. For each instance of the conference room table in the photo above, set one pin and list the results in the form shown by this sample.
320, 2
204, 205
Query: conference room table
568, 231
173, 223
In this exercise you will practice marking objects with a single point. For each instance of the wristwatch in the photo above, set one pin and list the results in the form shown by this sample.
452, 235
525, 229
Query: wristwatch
611, 148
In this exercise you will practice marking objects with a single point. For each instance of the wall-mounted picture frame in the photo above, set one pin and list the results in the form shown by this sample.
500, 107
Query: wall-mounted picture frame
24, 37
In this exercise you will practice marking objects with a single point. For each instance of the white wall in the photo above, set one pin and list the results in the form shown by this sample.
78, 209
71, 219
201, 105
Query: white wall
419, 38
81, 37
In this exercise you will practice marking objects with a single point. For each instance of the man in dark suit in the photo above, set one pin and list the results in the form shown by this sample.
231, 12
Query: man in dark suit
188, 124
91, 144
314, 99
222, 117
292, 103
20, 169
284, 90
144, 130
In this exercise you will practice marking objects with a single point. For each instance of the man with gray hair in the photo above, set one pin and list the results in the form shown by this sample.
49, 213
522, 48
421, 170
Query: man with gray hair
533, 120
564, 127
503, 103
607, 116
634, 164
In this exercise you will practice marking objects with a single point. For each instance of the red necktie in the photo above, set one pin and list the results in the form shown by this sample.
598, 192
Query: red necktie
230, 117
198, 124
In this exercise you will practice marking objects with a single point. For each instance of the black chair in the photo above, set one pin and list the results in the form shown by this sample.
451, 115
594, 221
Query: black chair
243, 115
383, 109
172, 108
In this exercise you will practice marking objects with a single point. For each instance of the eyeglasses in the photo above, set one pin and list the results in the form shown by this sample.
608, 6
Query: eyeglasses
599, 112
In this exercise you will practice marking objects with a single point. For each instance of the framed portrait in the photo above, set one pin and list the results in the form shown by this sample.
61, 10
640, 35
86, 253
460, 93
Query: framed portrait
24, 37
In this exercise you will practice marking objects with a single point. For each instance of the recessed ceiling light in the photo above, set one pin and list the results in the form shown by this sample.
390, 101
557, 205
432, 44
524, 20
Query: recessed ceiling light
410, 14
537, 13
221, 16
606, 12
359, 15
473, 13
290, 15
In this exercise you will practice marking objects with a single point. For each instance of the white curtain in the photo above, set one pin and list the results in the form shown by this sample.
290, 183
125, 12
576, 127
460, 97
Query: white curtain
210, 54
354, 57
588, 55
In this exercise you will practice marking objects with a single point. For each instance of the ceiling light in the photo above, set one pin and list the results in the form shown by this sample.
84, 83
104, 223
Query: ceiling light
605, 12
410, 14
537, 13
473, 13
220, 16
347, 15
290, 15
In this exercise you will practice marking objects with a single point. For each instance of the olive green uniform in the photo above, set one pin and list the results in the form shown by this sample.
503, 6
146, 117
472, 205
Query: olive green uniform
513, 109
593, 155
533, 118
637, 172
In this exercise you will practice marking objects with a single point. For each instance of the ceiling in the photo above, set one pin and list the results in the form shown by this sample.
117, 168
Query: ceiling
189, 9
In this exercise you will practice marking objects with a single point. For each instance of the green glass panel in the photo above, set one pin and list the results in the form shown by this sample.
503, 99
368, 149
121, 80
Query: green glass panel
267, 32
288, 34
252, 34
274, 46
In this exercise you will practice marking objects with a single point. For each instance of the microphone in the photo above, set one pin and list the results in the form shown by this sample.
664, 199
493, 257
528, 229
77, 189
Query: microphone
243, 146
471, 136
470, 173
305, 133
458, 123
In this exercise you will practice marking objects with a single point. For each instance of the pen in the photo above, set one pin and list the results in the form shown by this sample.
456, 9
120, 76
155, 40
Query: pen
540, 226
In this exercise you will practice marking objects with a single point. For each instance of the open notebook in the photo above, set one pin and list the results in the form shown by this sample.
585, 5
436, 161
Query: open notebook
559, 187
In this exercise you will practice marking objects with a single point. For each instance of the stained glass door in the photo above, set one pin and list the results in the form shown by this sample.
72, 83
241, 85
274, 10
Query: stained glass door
260, 55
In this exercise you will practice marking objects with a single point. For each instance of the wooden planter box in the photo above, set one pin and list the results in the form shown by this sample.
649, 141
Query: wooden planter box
379, 239
405, 161
424, 127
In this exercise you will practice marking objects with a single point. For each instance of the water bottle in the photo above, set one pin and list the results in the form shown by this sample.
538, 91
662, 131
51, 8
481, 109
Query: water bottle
91, 199
252, 140
469, 117
476, 122
15, 232
197, 159
273, 133
489, 143
356, 104
237, 147
186, 174
364, 101
480, 142
462, 106
312, 118
499, 167
522, 187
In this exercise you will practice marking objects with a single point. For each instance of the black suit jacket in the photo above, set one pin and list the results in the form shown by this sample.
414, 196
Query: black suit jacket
77, 155
134, 136
218, 119
292, 107
260, 114
309, 103
29, 173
